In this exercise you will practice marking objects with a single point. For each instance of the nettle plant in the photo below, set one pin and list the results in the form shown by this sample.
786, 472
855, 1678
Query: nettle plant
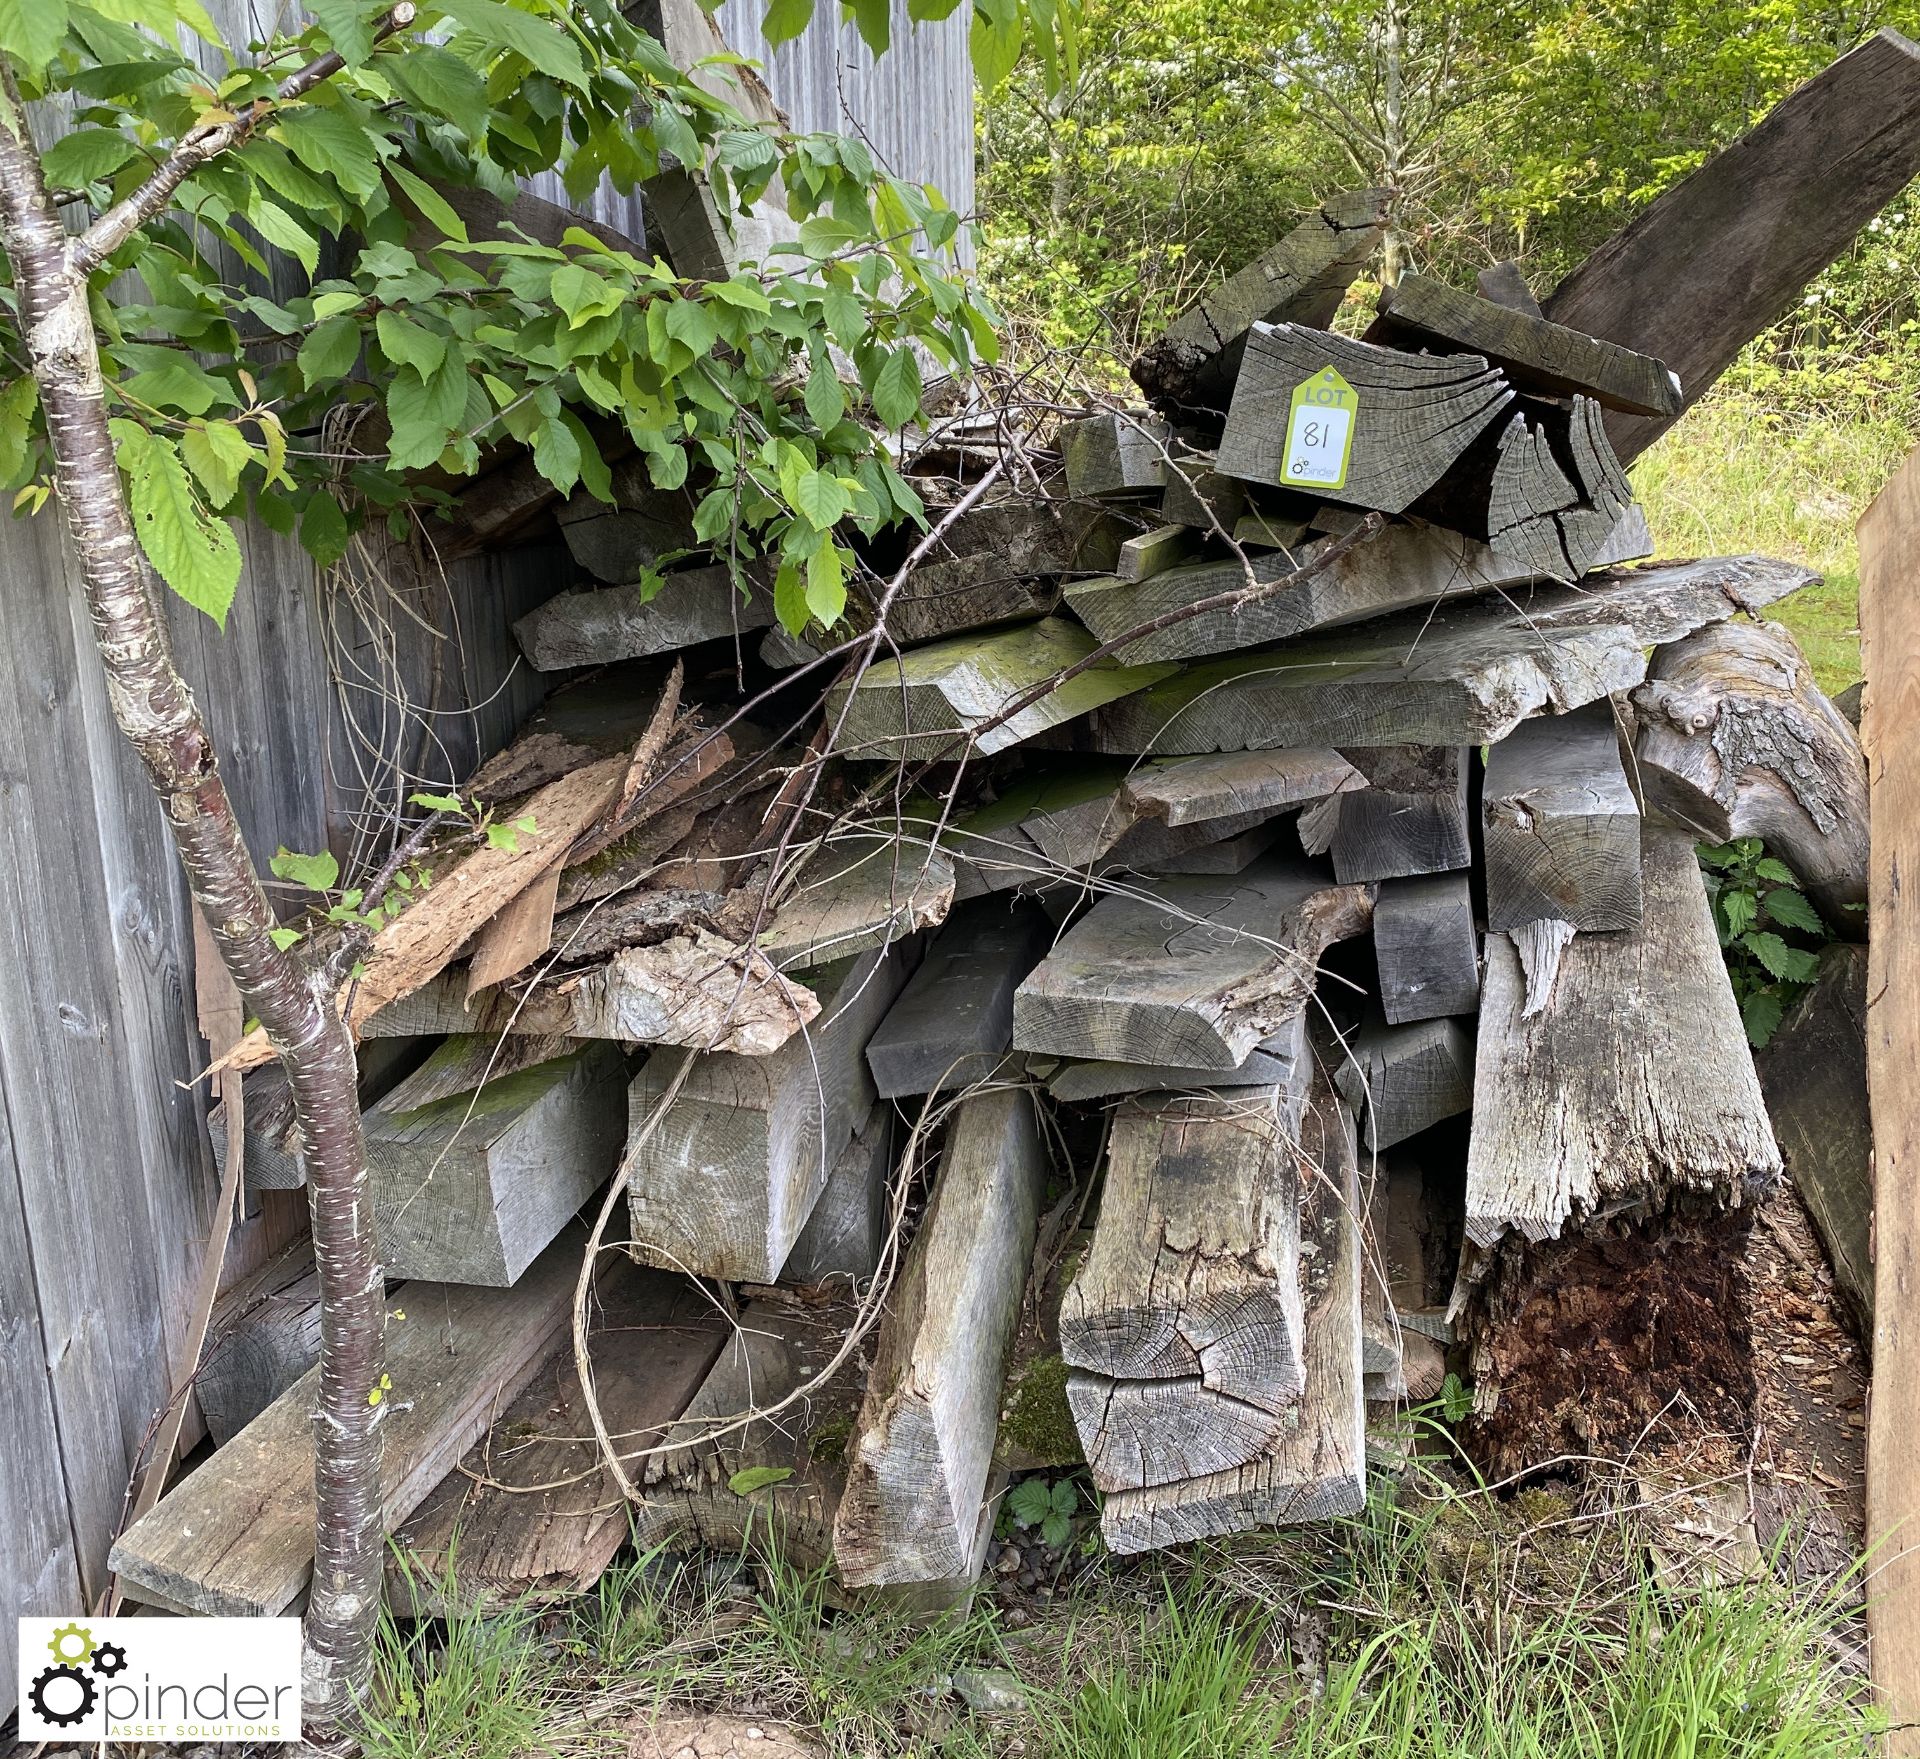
1757, 904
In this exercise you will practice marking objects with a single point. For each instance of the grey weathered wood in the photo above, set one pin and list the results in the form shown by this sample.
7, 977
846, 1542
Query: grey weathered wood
235, 1539
1317, 1469
856, 894
1198, 495
1399, 1080
847, 1228
922, 1447
1156, 849
1275, 1063
1736, 740
1420, 312
1191, 972
928, 703
1426, 947
620, 545
953, 1023
1415, 413
1506, 284
1154, 552
469, 1187
1463, 675
1115, 453
1299, 280
1410, 818
265, 1334
1193, 790
1632, 1083
726, 1182
1261, 529
1560, 824
1182, 1327
611, 623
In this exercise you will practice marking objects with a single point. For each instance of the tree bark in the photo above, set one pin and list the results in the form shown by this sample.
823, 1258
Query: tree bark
156, 711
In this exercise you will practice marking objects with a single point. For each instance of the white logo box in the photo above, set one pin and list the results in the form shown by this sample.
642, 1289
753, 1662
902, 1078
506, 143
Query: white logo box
159, 1679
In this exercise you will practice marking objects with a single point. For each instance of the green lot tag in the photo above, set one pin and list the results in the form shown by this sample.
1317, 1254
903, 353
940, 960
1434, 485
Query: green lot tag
1320, 418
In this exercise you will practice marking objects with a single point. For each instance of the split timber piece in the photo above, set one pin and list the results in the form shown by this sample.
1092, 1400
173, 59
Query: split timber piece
1191, 972
1317, 1469
1461, 675
531, 1515
264, 1335
1560, 825
615, 623
1154, 552
470, 1186
928, 703
644, 529
727, 1179
1419, 312
1426, 947
1198, 495
1736, 740
1195, 790
1229, 851
235, 1539
953, 1023
855, 894
1726, 252
1506, 284
1633, 1082
1115, 453
1412, 415
847, 1228
1276, 1062
1400, 1080
1300, 280
921, 1452
1410, 818
1183, 1329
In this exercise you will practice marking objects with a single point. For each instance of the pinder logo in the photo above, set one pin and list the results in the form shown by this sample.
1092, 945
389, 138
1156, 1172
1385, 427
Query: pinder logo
160, 1679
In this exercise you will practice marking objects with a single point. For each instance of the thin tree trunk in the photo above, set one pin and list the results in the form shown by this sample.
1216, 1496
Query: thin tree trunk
155, 710
1394, 135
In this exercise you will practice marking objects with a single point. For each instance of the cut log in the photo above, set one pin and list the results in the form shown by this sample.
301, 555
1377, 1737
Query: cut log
1301, 280
1632, 1083
922, 1447
1318, 1468
1114, 453
1410, 818
1560, 825
928, 703
235, 1539
1506, 284
1183, 1328
1154, 552
1189, 972
1419, 312
1400, 1080
1427, 948
1725, 253
531, 1516
1464, 675
1370, 427
858, 893
845, 1232
1736, 740
616, 623
953, 1023
470, 1187
264, 1335
1196, 790
1276, 1063
726, 1182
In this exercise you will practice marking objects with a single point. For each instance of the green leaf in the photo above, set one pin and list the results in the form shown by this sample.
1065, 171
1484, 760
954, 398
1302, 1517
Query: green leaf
740, 293
667, 466
820, 499
281, 230
826, 401
874, 21
556, 454
1792, 909
1718, 855
317, 873
349, 27
994, 44
31, 31
1768, 868
218, 454
583, 295
1738, 910
1030, 1501
501, 27
194, 553
332, 143
406, 343
323, 529
284, 938
688, 321
438, 211
790, 598
896, 389
1056, 1530
17, 405
437, 802
785, 19
437, 80
751, 1478
330, 352
827, 584
181, 384
1761, 1014
1780, 959
1066, 1497
86, 156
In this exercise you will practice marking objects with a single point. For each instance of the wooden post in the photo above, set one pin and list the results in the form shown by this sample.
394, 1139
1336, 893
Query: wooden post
1426, 947
1410, 818
1400, 1079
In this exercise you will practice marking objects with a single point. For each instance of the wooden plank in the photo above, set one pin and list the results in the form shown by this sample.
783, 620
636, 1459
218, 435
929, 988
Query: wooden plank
235, 1538
1420, 312
1299, 280
531, 1515
1725, 253
1154, 552
614, 623
1198, 495
469, 1187
1410, 818
1426, 947
1195, 790
856, 894
1413, 414
844, 1234
1560, 825
264, 1336
1890, 652
953, 1023
1273, 1064
1400, 1080
517, 934
922, 1447
1232, 848
1462, 675
1192, 972
1506, 284
1115, 453
726, 1182
1183, 1326
1634, 1082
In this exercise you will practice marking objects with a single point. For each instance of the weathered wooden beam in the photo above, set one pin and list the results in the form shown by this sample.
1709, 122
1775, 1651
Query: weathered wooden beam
1633, 1082
1196, 790
643, 529
1115, 453
1299, 280
953, 1023
845, 1232
1154, 552
922, 1448
1426, 947
235, 1538
470, 1186
1560, 825
1198, 495
264, 1335
855, 894
1720, 256
1183, 1327
1189, 972
1276, 1062
1377, 428
1462, 675
1400, 1080
1506, 284
615, 623
1410, 818
1224, 846
724, 1184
